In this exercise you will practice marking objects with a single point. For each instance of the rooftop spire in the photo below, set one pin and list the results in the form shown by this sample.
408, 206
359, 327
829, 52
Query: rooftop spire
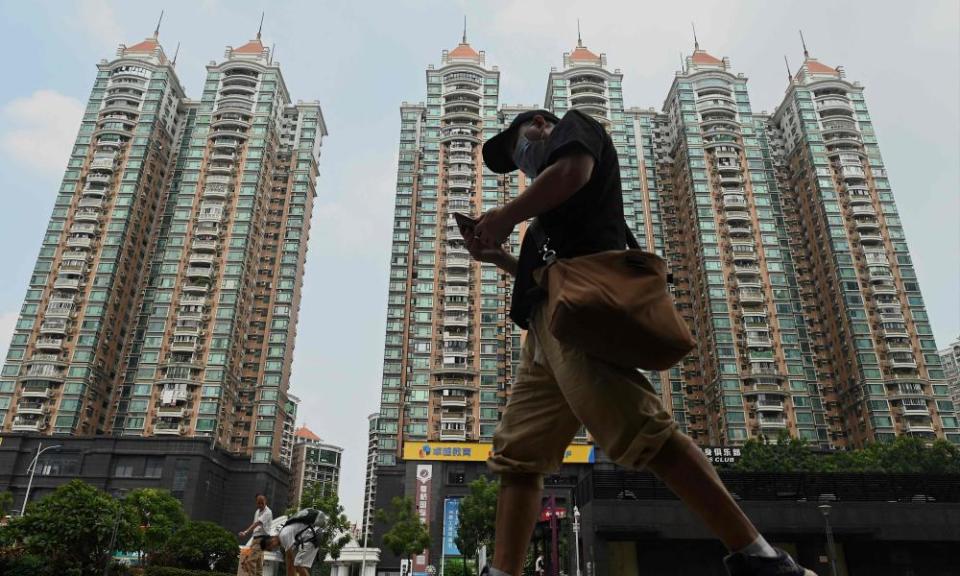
464, 40
789, 73
260, 28
156, 31
175, 54
579, 38
804, 42
696, 44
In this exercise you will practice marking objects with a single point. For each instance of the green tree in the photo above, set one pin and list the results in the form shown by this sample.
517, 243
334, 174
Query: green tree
70, 529
478, 514
408, 535
202, 546
336, 533
6, 503
157, 516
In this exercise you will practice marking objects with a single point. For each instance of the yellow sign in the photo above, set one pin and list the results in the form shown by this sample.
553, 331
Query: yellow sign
478, 452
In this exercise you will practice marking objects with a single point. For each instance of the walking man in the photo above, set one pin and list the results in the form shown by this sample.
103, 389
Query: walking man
262, 517
577, 204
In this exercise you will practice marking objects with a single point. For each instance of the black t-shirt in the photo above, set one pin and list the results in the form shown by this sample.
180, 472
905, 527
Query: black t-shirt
590, 221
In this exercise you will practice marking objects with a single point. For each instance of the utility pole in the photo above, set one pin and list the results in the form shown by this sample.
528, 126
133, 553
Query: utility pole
831, 547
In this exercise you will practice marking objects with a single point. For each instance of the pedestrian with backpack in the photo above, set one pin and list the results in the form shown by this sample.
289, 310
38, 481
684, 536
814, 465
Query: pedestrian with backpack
594, 313
299, 538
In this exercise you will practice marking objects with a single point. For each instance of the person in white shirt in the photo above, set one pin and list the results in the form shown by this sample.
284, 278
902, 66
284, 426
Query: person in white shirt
298, 556
262, 518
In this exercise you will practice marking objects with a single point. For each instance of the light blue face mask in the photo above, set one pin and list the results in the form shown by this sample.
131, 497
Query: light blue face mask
529, 155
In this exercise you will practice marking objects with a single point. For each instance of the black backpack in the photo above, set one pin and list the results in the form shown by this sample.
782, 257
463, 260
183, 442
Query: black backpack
310, 519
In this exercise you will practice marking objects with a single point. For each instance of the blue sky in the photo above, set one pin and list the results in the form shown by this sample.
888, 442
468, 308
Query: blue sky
361, 59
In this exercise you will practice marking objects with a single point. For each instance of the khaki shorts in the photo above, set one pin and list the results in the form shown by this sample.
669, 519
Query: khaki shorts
557, 389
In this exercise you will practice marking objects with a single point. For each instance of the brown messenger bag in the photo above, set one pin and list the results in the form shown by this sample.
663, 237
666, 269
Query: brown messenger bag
614, 305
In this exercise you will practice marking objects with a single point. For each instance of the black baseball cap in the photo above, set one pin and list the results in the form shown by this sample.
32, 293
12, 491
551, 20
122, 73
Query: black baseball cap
498, 151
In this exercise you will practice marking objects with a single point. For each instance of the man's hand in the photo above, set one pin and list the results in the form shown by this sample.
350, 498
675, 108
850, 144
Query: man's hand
496, 255
493, 227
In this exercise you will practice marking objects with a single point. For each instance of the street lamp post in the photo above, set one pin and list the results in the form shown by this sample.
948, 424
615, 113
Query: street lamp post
831, 547
33, 470
576, 537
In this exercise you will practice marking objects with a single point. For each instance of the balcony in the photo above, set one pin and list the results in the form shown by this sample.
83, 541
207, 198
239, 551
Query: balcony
771, 421
902, 360
102, 163
226, 143
918, 427
199, 272
48, 344
30, 423
457, 262
210, 215
453, 435
734, 201
32, 407
739, 230
183, 345
879, 274
196, 288
453, 401
457, 277
98, 178
59, 308
769, 405
171, 412
204, 245
168, 429
749, 296
456, 320
36, 390
759, 342
66, 283
829, 105
746, 269
713, 103
457, 291
868, 225
899, 346
852, 173
54, 326
861, 200
79, 242
83, 229
86, 215
864, 209
871, 238
914, 407
201, 257
737, 216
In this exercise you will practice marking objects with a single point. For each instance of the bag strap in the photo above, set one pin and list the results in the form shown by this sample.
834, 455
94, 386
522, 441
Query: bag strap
548, 254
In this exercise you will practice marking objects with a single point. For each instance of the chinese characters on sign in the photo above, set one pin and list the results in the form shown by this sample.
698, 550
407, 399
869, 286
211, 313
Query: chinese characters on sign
424, 482
718, 455
451, 524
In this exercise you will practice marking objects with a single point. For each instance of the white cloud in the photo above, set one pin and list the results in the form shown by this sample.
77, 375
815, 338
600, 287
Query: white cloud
41, 129
7, 322
97, 19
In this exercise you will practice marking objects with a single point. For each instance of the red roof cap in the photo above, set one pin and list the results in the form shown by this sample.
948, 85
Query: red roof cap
251, 47
306, 433
815, 67
145, 47
463, 50
701, 57
581, 54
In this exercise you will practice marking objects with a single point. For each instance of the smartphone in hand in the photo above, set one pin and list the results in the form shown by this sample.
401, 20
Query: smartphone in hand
465, 223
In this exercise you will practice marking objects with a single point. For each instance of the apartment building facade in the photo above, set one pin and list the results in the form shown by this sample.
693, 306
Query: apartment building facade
165, 297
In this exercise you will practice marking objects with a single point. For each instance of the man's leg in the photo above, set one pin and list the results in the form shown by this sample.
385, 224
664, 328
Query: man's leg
688, 473
531, 439
518, 506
